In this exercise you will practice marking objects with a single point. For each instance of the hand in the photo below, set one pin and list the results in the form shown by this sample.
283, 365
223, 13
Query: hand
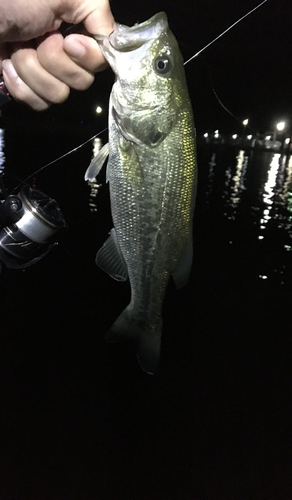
42, 70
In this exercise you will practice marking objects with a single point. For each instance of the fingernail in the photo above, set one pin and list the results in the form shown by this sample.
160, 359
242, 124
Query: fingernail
74, 47
8, 69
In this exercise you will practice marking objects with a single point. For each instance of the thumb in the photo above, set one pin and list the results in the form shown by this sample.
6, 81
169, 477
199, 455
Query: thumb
85, 51
100, 21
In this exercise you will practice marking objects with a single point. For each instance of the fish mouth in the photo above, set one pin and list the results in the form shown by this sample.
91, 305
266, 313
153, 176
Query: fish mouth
126, 39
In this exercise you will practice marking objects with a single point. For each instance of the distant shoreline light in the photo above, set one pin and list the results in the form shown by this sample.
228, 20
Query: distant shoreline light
281, 126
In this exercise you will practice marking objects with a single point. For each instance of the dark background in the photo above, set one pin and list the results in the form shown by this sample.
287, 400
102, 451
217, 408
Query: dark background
78, 418
250, 65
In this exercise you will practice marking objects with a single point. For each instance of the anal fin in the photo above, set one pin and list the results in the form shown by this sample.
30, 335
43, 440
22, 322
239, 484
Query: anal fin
110, 259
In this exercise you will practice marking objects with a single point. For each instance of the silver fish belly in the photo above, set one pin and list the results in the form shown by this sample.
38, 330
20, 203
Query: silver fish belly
152, 176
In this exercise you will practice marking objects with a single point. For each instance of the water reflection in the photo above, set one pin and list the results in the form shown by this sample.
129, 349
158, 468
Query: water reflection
211, 175
250, 195
288, 181
94, 185
287, 198
234, 168
269, 188
238, 181
273, 173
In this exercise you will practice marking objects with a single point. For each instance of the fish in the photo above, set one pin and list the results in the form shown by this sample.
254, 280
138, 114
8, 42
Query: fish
152, 175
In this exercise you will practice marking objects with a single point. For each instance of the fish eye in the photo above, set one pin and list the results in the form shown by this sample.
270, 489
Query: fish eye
162, 65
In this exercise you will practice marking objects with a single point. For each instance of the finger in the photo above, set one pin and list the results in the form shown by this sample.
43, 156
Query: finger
56, 61
95, 15
100, 21
85, 51
19, 90
42, 83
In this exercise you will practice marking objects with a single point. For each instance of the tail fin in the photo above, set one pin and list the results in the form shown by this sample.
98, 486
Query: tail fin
147, 339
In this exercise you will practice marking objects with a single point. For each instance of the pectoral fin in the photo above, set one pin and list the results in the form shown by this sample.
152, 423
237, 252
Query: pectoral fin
183, 269
110, 259
96, 164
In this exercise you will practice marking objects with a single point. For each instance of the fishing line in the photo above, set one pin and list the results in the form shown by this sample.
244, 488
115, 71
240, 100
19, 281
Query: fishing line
230, 27
219, 100
60, 158
208, 69
186, 62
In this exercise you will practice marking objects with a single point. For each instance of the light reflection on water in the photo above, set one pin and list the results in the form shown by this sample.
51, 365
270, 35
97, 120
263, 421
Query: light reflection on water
211, 175
276, 181
234, 180
253, 191
238, 179
269, 191
288, 180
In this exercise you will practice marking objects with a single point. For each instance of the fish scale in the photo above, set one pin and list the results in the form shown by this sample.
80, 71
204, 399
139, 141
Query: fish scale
152, 178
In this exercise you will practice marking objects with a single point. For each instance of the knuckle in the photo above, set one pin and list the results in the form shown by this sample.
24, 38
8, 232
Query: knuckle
48, 52
23, 65
25, 96
81, 81
20, 92
49, 61
59, 94
39, 105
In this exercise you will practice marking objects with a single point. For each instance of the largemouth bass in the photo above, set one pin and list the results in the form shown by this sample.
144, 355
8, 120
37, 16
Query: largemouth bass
152, 177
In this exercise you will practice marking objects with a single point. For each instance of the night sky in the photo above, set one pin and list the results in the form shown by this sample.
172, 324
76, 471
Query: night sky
250, 67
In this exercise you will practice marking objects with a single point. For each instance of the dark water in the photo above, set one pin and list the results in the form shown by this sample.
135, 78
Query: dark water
78, 418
